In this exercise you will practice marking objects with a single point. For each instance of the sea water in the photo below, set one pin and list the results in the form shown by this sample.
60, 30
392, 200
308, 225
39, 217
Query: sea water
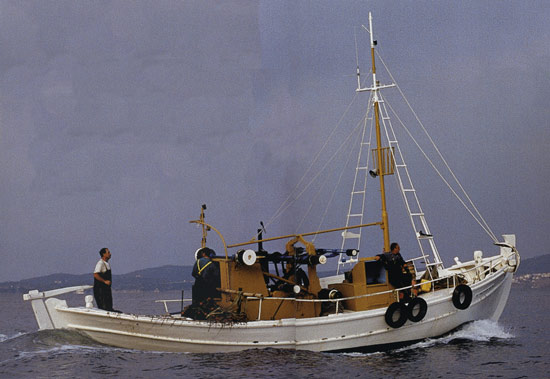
515, 347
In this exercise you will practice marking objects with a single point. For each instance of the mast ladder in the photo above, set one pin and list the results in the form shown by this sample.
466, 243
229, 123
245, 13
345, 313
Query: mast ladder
416, 214
356, 209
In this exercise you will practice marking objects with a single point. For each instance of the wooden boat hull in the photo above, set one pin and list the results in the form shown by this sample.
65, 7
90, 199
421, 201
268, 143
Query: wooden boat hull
342, 331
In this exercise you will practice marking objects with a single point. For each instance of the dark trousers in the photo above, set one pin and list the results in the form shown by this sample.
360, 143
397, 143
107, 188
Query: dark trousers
103, 296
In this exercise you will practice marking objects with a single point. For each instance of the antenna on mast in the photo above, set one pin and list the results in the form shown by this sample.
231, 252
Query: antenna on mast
357, 60
205, 228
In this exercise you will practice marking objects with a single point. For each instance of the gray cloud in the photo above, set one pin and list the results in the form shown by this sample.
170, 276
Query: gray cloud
119, 119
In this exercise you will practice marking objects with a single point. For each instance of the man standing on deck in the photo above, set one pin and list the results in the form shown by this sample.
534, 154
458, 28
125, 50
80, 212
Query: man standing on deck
207, 276
102, 281
398, 272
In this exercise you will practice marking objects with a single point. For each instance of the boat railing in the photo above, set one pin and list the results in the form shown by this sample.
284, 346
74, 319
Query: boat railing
450, 281
335, 301
477, 271
165, 302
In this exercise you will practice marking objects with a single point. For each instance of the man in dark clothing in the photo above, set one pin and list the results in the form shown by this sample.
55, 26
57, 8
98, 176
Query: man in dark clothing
398, 272
207, 276
102, 281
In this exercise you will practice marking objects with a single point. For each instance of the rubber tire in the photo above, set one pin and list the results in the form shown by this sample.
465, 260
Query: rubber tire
462, 296
390, 312
422, 311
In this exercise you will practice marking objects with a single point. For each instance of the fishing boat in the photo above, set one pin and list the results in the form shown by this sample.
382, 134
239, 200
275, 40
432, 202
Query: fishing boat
280, 300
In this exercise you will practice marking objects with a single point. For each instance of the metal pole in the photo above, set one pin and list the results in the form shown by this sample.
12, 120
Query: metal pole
384, 226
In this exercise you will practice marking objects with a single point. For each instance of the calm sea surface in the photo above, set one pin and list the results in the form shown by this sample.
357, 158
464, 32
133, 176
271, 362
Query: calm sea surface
516, 347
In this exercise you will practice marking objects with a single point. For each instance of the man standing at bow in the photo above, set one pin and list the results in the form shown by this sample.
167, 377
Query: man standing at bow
102, 281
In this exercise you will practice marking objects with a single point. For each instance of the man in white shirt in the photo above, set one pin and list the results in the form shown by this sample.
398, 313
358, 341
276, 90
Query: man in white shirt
102, 281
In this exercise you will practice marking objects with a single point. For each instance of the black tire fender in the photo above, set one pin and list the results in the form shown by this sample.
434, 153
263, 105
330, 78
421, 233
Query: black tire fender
462, 296
417, 308
396, 315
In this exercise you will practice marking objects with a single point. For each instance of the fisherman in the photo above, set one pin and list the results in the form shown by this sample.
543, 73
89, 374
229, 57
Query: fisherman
399, 274
207, 276
102, 281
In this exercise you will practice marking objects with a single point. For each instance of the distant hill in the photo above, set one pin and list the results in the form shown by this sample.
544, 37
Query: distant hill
172, 277
162, 278
536, 265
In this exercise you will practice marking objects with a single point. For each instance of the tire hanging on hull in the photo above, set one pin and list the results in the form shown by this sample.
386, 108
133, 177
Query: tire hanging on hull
462, 296
396, 315
417, 308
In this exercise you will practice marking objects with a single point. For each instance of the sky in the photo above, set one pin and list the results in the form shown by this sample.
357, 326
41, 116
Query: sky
119, 119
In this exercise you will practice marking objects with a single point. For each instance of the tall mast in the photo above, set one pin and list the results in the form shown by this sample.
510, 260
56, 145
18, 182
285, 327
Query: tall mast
380, 169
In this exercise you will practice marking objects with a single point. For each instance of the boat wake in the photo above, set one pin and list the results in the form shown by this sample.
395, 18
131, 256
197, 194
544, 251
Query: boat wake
4, 337
478, 331
61, 349
48, 343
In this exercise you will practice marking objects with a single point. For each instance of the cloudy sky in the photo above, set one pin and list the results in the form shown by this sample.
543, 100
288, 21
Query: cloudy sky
118, 119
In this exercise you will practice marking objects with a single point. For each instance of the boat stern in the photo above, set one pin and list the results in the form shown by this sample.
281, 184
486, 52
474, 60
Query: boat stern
45, 310
39, 308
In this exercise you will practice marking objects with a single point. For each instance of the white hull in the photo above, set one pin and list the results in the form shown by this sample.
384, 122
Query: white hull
342, 331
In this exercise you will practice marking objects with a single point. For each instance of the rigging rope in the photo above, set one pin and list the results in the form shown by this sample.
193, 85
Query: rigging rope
320, 171
481, 221
336, 186
290, 200
314, 198
294, 196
